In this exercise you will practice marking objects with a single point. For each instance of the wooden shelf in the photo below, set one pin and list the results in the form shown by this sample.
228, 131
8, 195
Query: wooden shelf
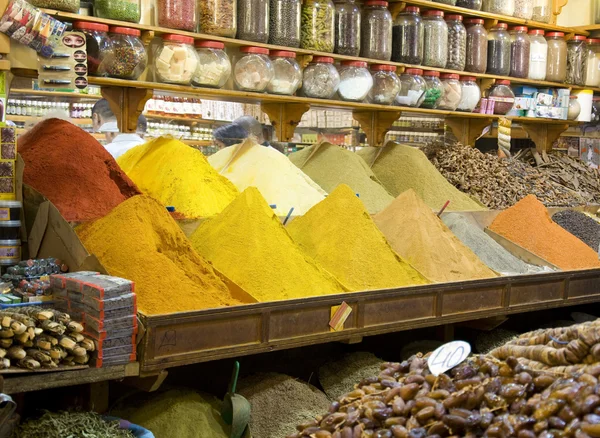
26, 119
57, 94
185, 119
588, 28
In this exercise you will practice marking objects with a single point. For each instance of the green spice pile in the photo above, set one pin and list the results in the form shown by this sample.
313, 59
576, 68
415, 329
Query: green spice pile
70, 425
580, 225
338, 377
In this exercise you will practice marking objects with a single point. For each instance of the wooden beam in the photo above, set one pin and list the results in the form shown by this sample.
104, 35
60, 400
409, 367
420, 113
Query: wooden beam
376, 124
285, 117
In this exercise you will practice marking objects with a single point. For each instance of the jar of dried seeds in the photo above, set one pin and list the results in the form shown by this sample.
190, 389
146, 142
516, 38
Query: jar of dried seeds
123, 10
435, 89
318, 25
542, 10
457, 43
452, 92
320, 79
519, 52
556, 68
502, 7
408, 37
446, 2
61, 5
253, 20
435, 39
498, 52
470, 4
284, 23
576, 60
477, 44
176, 14
386, 84
347, 28
217, 17
376, 31
127, 58
524, 9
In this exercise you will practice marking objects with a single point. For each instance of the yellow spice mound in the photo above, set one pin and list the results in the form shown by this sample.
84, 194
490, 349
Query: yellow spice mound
179, 176
418, 235
248, 243
341, 236
139, 240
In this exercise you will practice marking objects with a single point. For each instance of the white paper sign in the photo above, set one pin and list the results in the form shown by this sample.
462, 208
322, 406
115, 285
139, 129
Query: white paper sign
448, 356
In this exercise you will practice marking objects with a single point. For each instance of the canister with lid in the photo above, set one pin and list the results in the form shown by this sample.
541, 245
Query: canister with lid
320, 78
97, 44
556, 68
538, 55
127, 58
502, 97
214, 66
376, 31
412, 88
435, 89
519, 52
176, 60
452, 92
435, 39
577, 53
287, 74
355, 81
457, 43
347, 28
253, 70
386, 84
592, 70
498, 52
407, 35
470, 94
477, 46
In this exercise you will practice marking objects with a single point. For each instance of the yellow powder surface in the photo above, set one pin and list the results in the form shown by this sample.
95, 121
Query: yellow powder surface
341, 236
418, 235
400, 168
139, 240
179, 176
528, 224
279, 181
248, 243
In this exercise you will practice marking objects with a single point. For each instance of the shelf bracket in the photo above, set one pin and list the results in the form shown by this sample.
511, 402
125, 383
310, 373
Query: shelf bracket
127, 104
557, 6
396, 8
376, 124
284, 117
544, 135
467, 130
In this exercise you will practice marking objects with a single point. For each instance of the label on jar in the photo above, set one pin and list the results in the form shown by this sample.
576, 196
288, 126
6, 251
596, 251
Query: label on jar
10, 252
538, 57
4, 214
502, 99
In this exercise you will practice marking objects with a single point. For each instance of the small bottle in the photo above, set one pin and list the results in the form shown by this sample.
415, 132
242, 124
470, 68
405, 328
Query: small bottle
29, 108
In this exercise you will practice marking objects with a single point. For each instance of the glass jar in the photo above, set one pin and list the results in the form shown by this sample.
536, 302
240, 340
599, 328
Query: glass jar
470, 94
320, 79
502, 7
253, 20
498, 52
317, 31
538, 55
214, 66
123, 10
347, 28
452, 92
386, 84
519, 52
542, 10
592, 68
457, 43
97, 44
524, 9
576, 60
574, 108
446, 2
218, 17
127, 58
470, 4
287, 74
355, 81
284, 24
408, 37
412, 88
253, 70
376, 31
556, 67
434, 91
176, 60
502, 96
435, 39
477, 45
176, 14
61, 5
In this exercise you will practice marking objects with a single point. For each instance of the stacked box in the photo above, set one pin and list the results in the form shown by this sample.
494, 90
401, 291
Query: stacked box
67, 293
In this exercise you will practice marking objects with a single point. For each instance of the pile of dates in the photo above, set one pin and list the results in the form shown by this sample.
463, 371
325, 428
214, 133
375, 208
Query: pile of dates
482, 397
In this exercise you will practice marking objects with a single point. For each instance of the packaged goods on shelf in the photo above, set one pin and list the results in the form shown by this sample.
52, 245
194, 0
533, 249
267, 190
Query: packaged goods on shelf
580, 225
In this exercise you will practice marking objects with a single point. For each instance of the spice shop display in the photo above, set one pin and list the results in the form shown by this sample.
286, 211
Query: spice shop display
218, 17
452, 92
214, 66
477, 46
386, 84
457, 43
556, 67
435, 39
407, 36
176, 14
287, 74
339, 375
355, 81
524, 9
470, 4
577, 54
538, 55
317, 30
376, 31
176, 60
347, 28
97, 43
502, 96
574, 108
498, 51
284, 22
470, 94
320, 79
72, 423
519, 52
435, 89
502, 7
580, 225
127, 58
123, 10
542, 10
412, 88
592, 65
253, 70
253, 20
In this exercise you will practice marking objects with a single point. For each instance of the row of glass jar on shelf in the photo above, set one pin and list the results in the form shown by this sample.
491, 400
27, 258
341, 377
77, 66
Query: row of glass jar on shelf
179, 131
37, 108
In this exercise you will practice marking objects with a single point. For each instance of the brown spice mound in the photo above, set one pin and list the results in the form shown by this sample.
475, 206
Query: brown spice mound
74, 171
339, 376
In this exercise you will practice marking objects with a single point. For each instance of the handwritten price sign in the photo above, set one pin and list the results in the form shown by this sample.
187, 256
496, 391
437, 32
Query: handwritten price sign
448, 356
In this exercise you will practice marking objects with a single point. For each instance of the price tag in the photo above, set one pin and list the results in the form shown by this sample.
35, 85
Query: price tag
448, 356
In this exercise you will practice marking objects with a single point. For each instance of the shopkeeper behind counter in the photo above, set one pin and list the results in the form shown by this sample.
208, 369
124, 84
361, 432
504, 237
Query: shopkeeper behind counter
105, 121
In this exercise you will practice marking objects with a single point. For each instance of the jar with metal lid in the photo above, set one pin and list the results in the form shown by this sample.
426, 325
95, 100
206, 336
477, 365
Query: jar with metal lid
253, 70
457, 43
317, 30
498, 52
176, 14
542, 10
502, 96
502, 7
61, 5
127, 58
435, 39
97, 44
519, 52
284, 23
214, 66
592, 67
470, 4
452, 92
470, 94
376, 31
176, 60
477, 46
556, 67
217, 17
123, 10
576, 60
253, 20
407, 38
347, 28
434, 91
320, 78
538, 55
574, 108
524, 9
287, 74
412, 88
386, 84
355, 81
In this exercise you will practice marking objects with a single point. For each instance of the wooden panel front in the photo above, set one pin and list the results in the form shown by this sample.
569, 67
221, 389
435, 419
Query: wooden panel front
398, 309
584, 287
305, 321
530, 293
472, 300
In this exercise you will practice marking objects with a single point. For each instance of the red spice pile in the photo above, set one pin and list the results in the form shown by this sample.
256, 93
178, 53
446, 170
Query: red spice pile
73, 170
